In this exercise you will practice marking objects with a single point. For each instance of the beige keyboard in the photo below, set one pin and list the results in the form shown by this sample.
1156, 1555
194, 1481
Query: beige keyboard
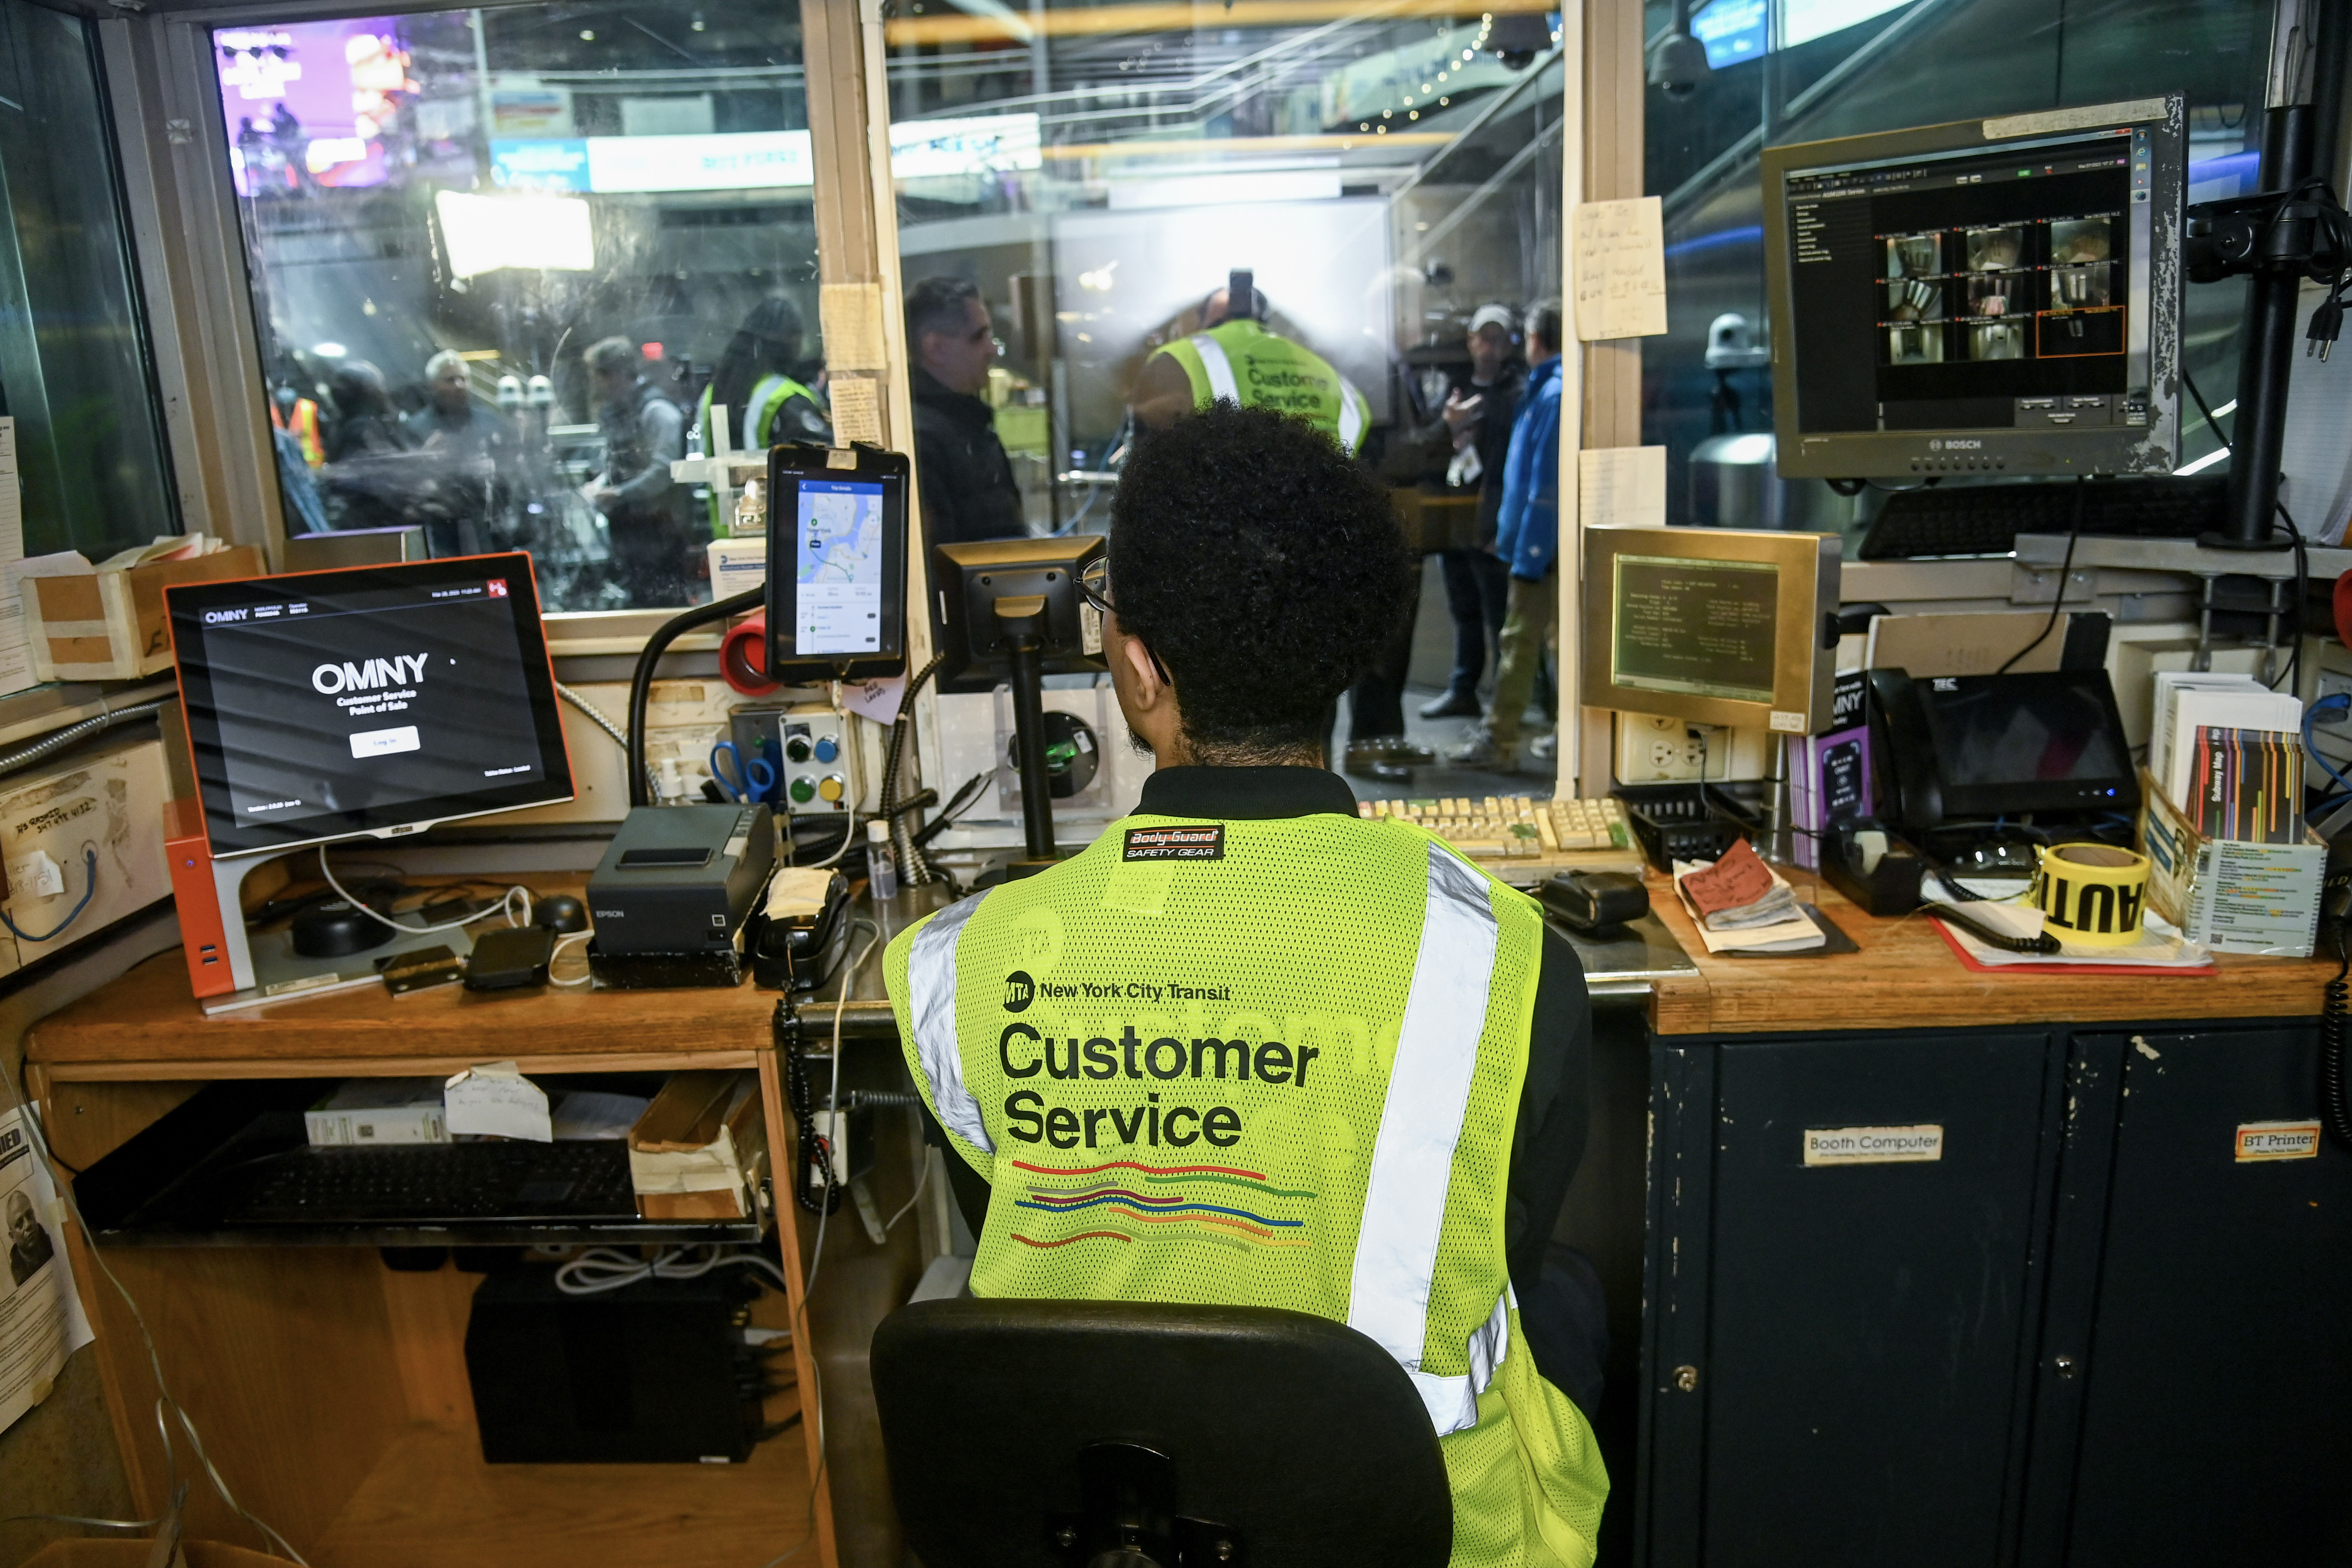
1514, 826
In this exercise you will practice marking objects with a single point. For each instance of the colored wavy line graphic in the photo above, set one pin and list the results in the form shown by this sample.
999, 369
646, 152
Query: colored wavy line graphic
1261, 1236
1270, 1190
1081, 1236
1146, 1170
1157, 1205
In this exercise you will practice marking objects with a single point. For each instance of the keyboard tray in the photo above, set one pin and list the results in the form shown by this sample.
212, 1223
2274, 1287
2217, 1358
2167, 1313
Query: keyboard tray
233, 1166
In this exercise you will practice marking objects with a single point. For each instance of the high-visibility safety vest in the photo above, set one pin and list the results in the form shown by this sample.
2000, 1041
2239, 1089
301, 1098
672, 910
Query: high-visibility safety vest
769, 394
1190, 1073
303, 426
1242, 363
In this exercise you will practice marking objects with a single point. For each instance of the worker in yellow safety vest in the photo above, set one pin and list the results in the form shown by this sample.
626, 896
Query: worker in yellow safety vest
1252, 1046
1233, 359
754, 382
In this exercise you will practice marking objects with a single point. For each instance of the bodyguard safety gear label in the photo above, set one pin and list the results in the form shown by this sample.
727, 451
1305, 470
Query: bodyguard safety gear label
1176, 843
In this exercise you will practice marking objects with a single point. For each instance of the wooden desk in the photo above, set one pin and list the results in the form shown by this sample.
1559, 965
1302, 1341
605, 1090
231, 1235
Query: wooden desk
331, 1391
1907, 977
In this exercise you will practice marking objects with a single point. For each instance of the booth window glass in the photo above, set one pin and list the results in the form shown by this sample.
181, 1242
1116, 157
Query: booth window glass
505, 261
1097, 178
1805, 70
74, 368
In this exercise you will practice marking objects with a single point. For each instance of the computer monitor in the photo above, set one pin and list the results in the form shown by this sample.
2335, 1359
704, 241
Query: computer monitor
372, 701
837, 563
1717, 625
1988, 297
1011, 607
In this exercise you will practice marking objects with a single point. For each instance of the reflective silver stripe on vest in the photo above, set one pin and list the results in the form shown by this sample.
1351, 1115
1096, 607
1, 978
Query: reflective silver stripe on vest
1218, 368
931, 1002
1351, 413
1453, 1401
1421, 1122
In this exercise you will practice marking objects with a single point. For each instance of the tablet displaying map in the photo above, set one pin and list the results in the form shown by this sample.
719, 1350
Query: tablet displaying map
837, 592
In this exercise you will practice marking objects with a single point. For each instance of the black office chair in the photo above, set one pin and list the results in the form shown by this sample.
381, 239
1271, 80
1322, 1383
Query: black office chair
1126, 1435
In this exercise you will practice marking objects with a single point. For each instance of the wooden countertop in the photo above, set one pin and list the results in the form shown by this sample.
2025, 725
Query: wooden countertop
1906, 976
148, 1017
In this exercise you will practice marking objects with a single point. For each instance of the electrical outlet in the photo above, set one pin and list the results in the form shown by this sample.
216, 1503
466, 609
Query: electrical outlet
1656, 748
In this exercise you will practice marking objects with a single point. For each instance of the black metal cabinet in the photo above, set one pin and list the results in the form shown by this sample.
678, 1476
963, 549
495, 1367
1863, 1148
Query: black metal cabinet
2084, 1334
2204, 1413
1838, 1351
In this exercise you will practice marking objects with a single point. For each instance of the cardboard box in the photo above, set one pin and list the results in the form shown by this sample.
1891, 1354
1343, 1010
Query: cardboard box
376, 1110
106, 622
701, 1149
2233, 897
104, 808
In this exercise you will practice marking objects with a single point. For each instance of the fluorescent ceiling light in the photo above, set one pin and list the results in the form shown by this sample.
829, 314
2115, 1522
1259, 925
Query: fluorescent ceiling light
545, 234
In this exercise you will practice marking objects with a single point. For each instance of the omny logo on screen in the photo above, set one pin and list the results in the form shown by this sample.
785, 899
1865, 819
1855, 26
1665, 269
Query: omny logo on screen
363, 687
838, 596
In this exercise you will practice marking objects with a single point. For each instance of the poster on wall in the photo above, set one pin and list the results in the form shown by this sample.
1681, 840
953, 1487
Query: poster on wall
41, 1320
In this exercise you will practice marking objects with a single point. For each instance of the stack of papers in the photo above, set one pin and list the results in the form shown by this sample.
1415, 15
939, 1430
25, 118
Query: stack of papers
15, 636
1740, 903
2159, 947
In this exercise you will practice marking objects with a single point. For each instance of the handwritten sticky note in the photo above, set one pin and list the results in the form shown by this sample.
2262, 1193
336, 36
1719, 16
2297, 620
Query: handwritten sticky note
1621, 270
877, 698
856, 409
1622, 485
494, 1098
851, 316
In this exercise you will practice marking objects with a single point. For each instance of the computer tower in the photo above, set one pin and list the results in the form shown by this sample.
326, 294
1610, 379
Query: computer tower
653, 1373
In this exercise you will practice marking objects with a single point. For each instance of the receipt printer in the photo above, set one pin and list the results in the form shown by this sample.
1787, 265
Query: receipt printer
681, 878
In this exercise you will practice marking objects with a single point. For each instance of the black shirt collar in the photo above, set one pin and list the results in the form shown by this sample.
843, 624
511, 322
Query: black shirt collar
1246, 794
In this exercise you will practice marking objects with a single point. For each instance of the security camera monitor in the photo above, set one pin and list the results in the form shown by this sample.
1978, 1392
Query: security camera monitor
836, 562
372, 700
1990, 297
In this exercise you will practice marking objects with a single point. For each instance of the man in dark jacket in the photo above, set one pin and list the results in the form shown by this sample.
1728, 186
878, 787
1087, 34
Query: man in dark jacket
1476, 419
960, 468
650, 515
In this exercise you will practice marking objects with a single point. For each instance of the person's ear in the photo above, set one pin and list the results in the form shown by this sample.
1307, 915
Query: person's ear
1151, 688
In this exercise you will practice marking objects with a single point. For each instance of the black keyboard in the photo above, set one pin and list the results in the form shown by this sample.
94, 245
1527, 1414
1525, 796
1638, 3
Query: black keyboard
428, 1183
1985, 519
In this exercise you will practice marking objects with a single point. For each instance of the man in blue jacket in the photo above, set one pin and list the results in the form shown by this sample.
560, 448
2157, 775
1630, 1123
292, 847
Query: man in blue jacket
1527, 537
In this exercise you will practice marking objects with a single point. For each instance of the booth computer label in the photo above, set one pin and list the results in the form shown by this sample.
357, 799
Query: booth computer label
1874, 1145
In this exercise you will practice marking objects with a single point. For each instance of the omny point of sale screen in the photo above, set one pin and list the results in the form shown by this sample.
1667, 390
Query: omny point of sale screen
1704, 629
369, 701
837, 585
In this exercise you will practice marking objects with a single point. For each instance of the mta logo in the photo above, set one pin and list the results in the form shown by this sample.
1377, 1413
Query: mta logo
1019, 991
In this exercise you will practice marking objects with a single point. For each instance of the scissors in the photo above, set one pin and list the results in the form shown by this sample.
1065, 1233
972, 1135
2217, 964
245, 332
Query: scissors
752, 781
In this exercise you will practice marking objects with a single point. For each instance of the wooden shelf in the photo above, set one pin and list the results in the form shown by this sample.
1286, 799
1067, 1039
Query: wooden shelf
431, 1499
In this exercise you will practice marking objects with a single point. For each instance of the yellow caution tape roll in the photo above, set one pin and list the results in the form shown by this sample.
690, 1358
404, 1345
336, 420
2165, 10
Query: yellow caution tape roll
2091, 893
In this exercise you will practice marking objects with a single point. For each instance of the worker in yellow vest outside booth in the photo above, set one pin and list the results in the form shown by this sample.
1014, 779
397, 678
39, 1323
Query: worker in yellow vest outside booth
1251, 1048
753, 382
1233, 359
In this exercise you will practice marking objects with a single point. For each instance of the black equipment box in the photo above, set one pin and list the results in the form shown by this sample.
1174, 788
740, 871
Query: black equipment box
681, 879
654, 1373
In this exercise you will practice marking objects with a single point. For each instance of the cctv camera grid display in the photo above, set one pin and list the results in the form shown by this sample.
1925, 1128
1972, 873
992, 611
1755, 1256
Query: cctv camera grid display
2039, 289
375, 702
1998, 279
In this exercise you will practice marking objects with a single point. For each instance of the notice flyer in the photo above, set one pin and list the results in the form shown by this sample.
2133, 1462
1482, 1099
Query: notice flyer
41, 1320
